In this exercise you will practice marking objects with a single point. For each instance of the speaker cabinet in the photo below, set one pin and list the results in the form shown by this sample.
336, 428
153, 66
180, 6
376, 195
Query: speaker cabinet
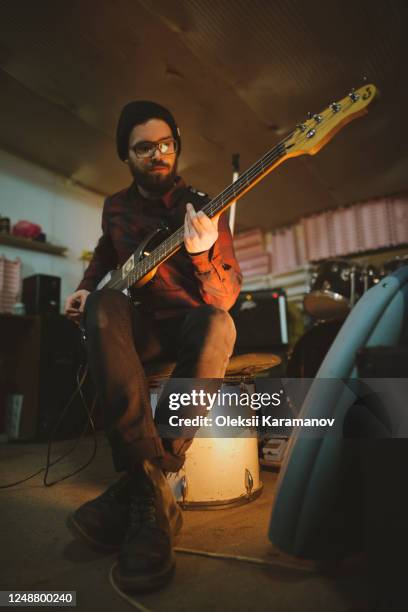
261, 320
42, 294
61, 355
40, 358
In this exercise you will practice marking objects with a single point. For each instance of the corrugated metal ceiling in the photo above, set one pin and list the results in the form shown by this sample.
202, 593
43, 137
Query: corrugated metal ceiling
237, 75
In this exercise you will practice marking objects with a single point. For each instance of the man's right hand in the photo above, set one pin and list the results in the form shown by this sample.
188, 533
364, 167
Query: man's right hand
75, 304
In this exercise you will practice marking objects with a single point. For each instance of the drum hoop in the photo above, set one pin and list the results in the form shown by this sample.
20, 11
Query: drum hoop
331, 294
223, 504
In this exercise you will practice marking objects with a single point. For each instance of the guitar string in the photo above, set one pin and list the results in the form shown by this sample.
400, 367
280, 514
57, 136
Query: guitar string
218, 202
211, 207
149, 262
152, 260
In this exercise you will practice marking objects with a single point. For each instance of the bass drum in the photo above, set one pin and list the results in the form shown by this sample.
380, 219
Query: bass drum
310, 350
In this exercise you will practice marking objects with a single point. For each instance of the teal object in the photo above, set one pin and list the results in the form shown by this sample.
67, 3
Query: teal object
310, 481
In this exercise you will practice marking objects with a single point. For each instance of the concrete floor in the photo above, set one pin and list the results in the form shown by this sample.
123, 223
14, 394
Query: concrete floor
38, 552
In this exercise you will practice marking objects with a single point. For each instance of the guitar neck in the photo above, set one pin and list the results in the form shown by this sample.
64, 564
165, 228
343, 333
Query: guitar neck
307, 138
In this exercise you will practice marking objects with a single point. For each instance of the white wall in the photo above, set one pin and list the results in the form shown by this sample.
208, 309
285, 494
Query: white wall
69, 215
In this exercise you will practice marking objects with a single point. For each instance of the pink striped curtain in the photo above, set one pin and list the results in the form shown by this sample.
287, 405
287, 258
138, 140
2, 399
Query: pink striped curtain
10, 283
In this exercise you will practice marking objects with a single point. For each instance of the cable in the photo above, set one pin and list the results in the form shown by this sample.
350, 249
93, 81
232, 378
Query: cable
212, 555
94, 450
52, 463
254, 560
91, 422
53, 433
123, 595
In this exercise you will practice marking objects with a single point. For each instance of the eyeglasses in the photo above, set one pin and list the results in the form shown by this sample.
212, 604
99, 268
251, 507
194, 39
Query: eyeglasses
143, 150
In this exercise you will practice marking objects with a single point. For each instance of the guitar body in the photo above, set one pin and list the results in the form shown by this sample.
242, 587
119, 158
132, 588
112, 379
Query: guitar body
143, 250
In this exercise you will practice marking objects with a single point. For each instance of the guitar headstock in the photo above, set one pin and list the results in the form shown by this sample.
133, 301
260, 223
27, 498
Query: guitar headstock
311, 135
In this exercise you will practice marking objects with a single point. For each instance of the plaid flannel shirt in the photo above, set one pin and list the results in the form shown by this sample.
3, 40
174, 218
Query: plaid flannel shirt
183, 281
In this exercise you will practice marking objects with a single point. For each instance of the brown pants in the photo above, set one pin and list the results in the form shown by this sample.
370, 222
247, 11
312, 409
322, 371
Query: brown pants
120, 339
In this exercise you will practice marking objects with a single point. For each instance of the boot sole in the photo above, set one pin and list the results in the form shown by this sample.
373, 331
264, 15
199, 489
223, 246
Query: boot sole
144, 583
78, 531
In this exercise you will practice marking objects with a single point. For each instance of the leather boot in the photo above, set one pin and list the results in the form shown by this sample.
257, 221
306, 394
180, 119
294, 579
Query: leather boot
102, 522
146, 560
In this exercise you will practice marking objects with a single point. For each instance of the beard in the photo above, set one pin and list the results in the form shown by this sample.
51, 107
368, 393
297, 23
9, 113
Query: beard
155, 183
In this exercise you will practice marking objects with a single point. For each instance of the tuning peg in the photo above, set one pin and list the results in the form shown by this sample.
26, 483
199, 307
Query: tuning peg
317, 118
353, 95
301, 127
335, 106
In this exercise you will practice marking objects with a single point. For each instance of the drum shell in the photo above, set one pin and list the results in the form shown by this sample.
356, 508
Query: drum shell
218, 472
310, 350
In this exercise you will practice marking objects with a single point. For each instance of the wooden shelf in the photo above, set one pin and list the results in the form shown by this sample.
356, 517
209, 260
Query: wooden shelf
32, 245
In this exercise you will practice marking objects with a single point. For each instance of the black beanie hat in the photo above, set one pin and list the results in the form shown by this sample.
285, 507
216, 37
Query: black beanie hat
135, 113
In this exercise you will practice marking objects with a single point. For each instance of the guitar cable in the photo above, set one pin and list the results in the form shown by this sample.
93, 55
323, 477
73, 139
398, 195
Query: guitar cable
80, 382
89, 420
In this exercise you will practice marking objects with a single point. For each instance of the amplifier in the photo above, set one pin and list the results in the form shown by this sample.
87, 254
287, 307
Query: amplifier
40, 357
260, 319
41, 294
61, 354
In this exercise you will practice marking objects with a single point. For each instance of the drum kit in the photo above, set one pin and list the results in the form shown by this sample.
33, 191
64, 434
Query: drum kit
336, 285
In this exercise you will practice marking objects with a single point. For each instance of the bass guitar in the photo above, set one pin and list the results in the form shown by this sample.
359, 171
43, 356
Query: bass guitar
308, 137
